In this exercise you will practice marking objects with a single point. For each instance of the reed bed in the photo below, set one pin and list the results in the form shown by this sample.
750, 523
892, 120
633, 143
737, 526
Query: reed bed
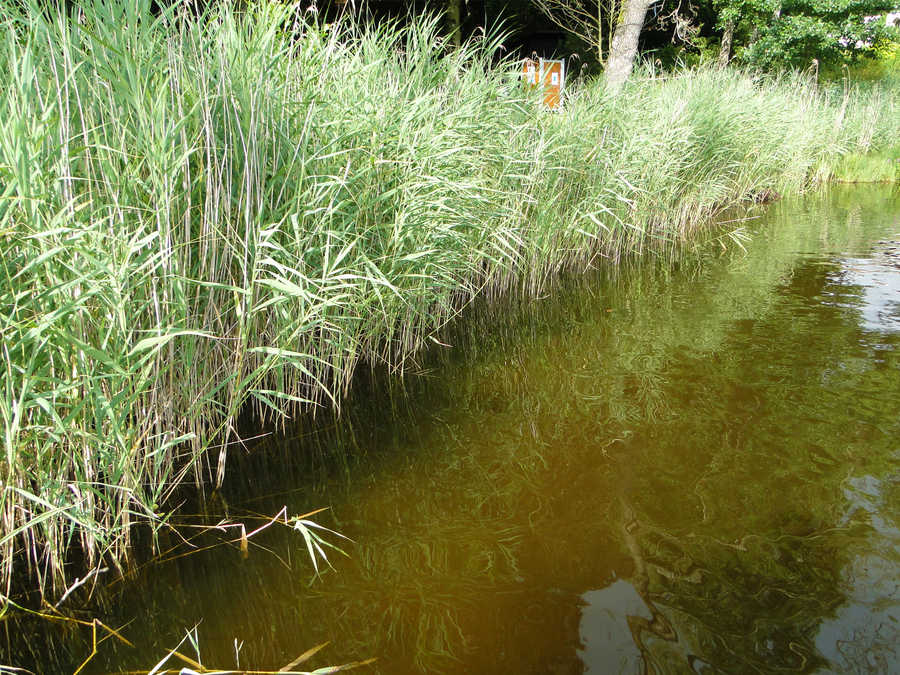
209, 212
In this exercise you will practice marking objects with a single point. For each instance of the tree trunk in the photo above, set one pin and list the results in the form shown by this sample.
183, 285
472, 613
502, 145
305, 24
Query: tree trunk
624, 45
725, 48
454, 21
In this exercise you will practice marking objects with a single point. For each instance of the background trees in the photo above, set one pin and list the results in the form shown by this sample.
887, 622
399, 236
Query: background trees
610, 28
765, 34
774, 34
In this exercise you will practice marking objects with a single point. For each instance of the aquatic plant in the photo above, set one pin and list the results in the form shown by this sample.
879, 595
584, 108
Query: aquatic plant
211, 212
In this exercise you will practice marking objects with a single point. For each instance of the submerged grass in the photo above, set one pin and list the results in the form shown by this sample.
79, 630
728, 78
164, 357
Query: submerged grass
205, 213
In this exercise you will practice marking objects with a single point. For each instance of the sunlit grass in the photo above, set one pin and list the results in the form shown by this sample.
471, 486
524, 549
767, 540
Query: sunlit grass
872, 167
201, 215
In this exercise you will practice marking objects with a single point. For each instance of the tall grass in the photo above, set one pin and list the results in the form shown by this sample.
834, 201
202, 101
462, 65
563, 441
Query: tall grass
202, 214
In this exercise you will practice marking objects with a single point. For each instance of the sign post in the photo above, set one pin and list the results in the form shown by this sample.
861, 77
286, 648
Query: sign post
551, 73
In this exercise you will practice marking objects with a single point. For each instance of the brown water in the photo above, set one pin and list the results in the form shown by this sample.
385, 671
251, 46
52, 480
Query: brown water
673, 468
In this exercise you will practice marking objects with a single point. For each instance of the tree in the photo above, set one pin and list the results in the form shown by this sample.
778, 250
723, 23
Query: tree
793, 33
583, 19
727, 39
453, 10
590, 21
624, 47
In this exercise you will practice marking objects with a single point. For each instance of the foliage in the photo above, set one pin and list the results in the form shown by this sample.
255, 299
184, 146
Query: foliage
870, 167
883, 68
793, 33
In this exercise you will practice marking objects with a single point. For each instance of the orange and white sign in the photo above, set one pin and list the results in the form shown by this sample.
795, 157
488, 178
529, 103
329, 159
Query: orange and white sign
549, 72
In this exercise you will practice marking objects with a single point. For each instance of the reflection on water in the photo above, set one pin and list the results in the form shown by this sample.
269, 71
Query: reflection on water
864, 634
688, 469
608, 644
879, 281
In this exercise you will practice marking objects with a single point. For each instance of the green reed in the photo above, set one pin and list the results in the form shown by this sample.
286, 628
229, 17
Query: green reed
203, 214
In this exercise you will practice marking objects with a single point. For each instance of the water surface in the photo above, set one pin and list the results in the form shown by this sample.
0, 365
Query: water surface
669, 468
